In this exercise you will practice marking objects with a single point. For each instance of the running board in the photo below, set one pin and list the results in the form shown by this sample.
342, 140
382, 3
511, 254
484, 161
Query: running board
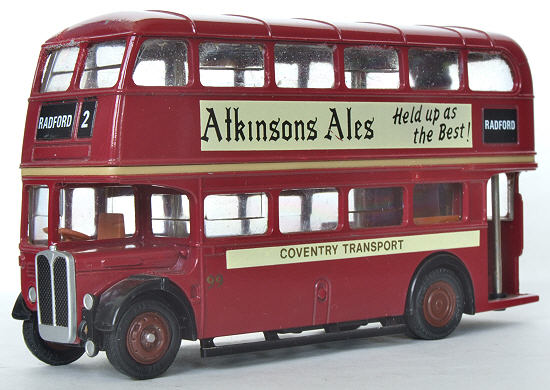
209, 349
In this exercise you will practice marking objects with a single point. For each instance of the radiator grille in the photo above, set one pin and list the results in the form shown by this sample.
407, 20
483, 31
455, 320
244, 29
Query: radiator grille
55, 281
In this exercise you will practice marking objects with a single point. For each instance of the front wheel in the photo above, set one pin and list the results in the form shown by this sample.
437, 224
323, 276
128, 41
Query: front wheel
145, 341
50, 353
437, 305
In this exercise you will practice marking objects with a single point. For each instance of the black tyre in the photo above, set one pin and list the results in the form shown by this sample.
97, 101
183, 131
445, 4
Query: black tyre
145, 341
51, 353
437, 305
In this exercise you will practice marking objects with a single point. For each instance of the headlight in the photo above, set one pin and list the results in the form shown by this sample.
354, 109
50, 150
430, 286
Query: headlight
88, 301
32, 294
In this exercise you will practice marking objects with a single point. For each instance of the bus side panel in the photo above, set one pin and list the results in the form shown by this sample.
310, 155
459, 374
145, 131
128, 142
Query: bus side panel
161, 128
166, 129
288, 296
256, 298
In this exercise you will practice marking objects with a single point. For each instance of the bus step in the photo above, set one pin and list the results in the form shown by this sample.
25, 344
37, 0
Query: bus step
210, 349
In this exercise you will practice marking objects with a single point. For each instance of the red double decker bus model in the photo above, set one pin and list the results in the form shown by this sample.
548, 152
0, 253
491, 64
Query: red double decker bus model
191, 178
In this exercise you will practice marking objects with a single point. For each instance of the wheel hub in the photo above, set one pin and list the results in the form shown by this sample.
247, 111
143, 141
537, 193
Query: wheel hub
439, 304
148, 338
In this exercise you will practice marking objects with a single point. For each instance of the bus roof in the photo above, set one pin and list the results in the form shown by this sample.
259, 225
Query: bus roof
246, 27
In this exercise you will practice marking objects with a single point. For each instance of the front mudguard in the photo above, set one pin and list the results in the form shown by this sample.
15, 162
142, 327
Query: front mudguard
115, 300
20, 310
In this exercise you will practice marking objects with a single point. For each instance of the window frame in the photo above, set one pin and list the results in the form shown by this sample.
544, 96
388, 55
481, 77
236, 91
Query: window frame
506, 56
404, 211
134, 56
461, 64
56, 199
265, 56
400, 67
47, 51
269, 217
463, 216
149, 202
337, 188
337, 67
124, 64
28, 214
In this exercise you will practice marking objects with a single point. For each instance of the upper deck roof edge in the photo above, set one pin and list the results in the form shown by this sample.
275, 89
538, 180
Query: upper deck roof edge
173, 23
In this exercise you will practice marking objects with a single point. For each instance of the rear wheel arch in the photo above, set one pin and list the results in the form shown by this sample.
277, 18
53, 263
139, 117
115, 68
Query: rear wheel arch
452, 263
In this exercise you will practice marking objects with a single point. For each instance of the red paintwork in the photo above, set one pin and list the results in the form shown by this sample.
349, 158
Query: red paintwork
161, 147
160, 126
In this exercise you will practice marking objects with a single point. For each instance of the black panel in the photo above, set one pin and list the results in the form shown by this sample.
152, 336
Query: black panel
61, 292
87, 118
55, 121
500, 126
44, 290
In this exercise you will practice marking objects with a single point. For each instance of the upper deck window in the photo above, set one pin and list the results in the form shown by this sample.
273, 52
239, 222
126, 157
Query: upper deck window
59, 68
231, 65
304, 66
489, 72
161, 62
103, 65
433, 69
371, 67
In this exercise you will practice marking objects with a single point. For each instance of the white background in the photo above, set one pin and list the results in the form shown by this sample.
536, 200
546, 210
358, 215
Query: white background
490, 350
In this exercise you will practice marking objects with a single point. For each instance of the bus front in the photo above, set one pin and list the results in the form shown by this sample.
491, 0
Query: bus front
72, 116
85, 233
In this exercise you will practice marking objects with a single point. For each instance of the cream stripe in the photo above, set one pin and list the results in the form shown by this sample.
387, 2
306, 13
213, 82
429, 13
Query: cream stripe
270, 166
337, 250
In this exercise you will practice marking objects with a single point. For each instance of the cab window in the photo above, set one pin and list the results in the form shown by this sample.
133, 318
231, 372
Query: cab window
170, 215
102, 212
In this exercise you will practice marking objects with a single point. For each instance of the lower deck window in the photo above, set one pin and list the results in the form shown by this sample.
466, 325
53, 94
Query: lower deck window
308, 210
235, 214
437, 203
372, 207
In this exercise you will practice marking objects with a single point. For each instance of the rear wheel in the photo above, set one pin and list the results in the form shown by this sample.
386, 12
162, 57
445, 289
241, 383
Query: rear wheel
145, 341
51, 353
437, 305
